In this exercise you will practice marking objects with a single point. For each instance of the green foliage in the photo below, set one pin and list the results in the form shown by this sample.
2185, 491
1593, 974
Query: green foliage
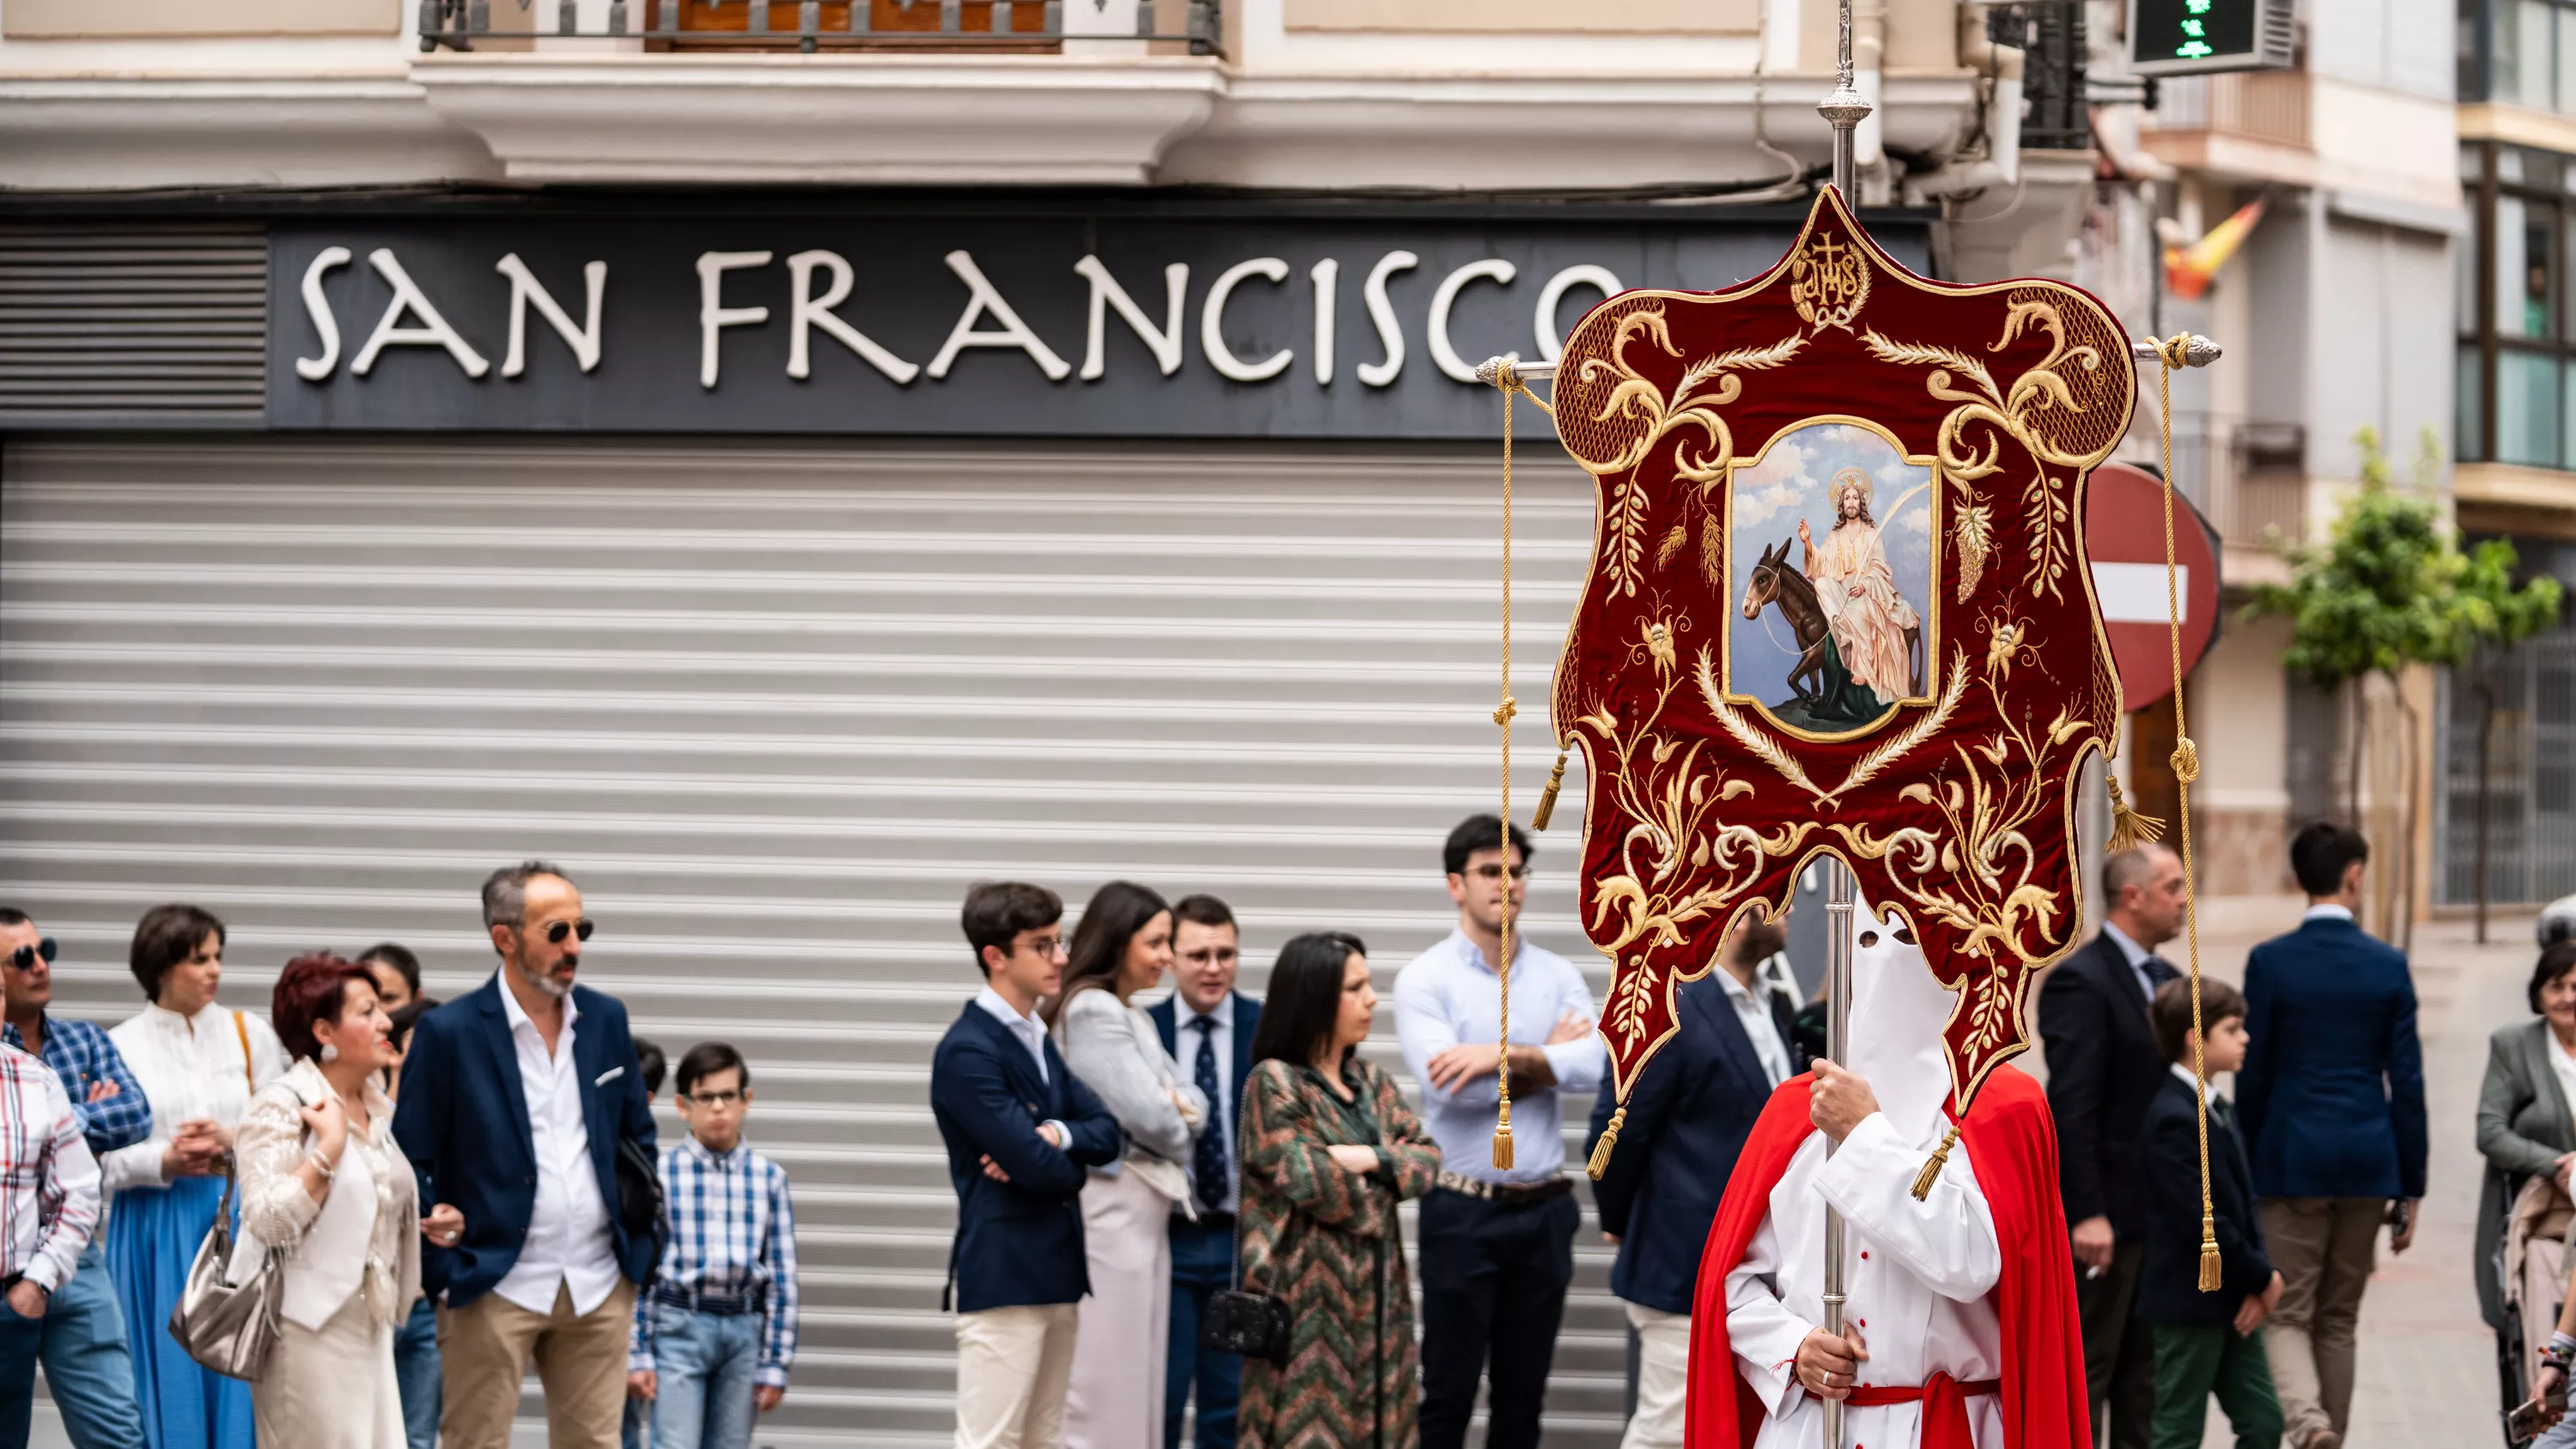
2391, 588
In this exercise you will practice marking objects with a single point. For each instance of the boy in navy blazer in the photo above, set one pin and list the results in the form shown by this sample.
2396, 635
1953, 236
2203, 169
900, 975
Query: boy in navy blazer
1688, 1116
1020, 1132
1213, 1045
2204, 1342
2332, 1102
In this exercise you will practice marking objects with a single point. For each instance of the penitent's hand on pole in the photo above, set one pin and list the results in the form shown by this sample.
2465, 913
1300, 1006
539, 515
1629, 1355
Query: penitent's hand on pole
1840, 1100
1829, 1364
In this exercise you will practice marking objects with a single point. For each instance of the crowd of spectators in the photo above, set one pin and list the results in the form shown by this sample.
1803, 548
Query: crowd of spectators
442, 1198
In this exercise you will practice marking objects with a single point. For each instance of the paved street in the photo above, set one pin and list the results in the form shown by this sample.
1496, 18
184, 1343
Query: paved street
2427, 1363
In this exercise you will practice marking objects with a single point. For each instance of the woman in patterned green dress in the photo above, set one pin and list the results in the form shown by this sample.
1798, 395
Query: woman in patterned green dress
1329, 1148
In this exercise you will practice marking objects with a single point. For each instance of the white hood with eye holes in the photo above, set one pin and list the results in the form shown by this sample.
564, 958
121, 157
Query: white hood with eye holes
1897, 1013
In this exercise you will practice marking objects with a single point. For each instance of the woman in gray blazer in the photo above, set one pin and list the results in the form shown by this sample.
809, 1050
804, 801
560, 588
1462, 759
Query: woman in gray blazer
2523, 1124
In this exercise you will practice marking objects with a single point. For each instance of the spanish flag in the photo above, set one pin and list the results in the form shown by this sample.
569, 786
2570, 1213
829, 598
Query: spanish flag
2189, 270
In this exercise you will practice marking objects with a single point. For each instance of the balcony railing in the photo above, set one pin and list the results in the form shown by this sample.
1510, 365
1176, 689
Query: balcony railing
2248, 477
1181, 26
2265, 105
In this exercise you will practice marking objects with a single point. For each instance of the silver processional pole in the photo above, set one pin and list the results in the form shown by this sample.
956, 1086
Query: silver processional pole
1843, 110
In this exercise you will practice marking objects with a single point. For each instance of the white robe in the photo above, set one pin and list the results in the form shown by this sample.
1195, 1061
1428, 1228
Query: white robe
1919, 1279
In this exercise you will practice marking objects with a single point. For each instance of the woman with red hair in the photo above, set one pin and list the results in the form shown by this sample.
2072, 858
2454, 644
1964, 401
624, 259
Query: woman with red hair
323, 1182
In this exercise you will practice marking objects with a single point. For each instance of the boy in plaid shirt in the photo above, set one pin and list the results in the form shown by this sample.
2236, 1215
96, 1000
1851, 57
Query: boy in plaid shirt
714, 1337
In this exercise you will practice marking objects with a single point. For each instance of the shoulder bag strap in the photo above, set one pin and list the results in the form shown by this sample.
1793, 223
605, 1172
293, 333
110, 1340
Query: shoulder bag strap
241, 1028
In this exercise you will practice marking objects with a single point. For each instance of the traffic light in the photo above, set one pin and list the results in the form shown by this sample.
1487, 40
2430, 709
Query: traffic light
2195, 37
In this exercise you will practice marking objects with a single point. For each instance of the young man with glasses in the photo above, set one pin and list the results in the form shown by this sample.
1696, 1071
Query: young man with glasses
88, 1367
1497, 1244
517, 1102
1021, 1133
1208, 1027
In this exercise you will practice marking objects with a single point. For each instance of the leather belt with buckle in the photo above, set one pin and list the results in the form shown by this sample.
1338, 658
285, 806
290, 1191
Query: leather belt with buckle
1509, 1194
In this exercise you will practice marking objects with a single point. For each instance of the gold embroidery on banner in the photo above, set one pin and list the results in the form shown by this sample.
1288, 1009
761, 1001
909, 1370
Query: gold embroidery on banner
1771, 753
1972, 533
1829, 283
1676, 836
1705, 386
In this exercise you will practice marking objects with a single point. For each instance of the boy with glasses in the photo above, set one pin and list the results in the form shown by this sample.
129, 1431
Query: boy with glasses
1021, 1134
714, 1341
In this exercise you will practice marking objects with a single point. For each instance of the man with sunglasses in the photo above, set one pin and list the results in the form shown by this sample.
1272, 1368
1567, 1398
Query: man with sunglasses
517, 1102
87, 1364
1497, 1243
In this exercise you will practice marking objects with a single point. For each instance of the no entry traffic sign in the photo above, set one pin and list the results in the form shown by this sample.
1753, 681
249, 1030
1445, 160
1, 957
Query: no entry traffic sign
2124, 536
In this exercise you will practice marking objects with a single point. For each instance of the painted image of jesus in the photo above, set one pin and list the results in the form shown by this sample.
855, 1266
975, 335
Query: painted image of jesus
1830, 563
1857, 590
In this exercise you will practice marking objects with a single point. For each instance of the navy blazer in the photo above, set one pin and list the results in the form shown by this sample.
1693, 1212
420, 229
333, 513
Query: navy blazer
1247, 1019
2169, 1146
2103, 1071
463, 1121
1688, 1116
2332, 1095
1018, 1243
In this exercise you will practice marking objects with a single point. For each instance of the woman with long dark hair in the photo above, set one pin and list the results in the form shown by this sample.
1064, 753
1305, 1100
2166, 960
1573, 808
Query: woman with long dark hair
1123, 945
1329, 1149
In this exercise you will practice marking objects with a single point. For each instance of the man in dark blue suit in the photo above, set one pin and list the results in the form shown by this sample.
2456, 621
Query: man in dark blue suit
1020, 1132
2104, 1071
1213, 1044
2331, 1102
1687, 1118
516, 1099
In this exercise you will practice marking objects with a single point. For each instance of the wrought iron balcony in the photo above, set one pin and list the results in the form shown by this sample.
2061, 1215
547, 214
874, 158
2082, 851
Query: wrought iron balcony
1183, 26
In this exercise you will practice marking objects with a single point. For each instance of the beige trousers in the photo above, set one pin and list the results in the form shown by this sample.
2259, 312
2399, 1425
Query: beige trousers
1663, 1378
1116, 1401
484, 1352
331, 1387
2323, 1247
1012, 1365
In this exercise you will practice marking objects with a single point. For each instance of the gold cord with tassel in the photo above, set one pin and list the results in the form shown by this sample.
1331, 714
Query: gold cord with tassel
2172, 353
1600, 1162
1509, 382
2129, 827
1931, 1172
1547, 798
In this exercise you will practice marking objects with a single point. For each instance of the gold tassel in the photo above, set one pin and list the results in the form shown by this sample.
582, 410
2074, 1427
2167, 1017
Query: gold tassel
1931, 1172
2210, 1271
2129, 829
1547, 803
1600, 1162
1503, 1141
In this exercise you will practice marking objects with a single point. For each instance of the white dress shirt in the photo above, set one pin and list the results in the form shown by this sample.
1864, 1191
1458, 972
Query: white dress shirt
2326, 911
569, 1243
1759, 1027
189, 1067
1920, 1275
2137, 956
1031, 1033
1220, 1032
1451, 994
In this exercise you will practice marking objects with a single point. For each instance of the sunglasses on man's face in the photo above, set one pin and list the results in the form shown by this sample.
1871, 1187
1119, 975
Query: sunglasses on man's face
24, 958
560, 929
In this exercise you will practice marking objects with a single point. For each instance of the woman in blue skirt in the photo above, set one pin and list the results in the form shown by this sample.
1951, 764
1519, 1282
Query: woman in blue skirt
198, 1064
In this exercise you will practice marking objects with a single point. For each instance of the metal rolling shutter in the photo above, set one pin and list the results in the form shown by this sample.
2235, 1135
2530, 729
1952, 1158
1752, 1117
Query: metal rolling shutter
774, 708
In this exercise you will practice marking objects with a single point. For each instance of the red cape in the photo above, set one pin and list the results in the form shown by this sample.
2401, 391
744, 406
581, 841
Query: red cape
2012, 1143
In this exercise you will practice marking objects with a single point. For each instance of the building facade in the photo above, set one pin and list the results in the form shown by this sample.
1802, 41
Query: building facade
788, 461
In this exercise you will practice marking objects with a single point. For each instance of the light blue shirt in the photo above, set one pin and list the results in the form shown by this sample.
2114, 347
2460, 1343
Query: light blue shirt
1451, 994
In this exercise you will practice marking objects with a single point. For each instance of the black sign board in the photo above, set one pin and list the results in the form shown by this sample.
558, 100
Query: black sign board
1049, 320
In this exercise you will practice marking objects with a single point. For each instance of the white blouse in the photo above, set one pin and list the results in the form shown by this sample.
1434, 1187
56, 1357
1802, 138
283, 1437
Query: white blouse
189, 1067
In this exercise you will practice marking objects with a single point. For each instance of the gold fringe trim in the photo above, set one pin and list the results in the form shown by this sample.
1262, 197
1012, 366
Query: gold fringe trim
1547, 802
1600, 1162
2129, 829
2210, 1267
1931, 1172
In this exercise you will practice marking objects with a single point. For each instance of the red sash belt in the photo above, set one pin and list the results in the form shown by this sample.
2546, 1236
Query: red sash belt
1945, 1406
